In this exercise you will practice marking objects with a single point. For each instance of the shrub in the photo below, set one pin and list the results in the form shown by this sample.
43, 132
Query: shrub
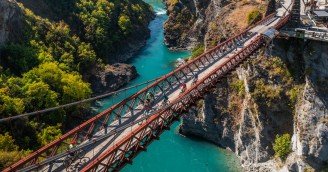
266, 92
238, 86
282, 146
198, 50
254, 16
173, 2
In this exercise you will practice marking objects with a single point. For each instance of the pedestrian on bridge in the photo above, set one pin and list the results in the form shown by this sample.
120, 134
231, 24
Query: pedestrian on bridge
165, 99
146, 109
183, 87
70, 147
149, 96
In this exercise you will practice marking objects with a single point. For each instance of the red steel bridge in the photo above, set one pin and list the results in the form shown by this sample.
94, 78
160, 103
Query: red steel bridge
114, 137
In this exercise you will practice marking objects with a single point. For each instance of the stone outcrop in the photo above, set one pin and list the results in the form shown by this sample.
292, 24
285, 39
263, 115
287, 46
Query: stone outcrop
188, 21
247, 121
10, 21
205, 22
112, 77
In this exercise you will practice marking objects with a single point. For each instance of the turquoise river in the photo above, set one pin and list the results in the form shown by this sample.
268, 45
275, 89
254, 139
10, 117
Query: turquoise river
173, 152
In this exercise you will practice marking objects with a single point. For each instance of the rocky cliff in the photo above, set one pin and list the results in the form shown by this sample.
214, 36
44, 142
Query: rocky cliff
112, 77
10, 21
266, 97
205, 22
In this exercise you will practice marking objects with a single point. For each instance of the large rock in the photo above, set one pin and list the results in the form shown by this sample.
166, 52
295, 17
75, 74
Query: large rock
10, 21
112, 77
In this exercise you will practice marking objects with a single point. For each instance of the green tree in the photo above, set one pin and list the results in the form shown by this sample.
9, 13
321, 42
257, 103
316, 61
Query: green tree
253, 16
74, 88
198, 50
39, 96
10, 106
7, 143
48, 72
49, 134
9, 158
125, 24
282, 146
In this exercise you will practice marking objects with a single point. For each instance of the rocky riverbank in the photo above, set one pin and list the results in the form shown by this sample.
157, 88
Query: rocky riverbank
266, 97
112, 77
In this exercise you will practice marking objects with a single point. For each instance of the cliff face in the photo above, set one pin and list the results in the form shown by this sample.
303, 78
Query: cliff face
10, 21
310, 138
188, 20
206, 22
186, 24
266, 97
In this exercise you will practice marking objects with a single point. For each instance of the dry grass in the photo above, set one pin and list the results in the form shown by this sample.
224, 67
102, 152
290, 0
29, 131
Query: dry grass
237, 17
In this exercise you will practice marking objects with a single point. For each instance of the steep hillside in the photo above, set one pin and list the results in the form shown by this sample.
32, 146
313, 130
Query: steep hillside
115, 29
57, 52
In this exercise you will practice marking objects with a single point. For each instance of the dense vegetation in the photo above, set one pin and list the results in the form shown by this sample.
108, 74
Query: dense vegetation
45, 68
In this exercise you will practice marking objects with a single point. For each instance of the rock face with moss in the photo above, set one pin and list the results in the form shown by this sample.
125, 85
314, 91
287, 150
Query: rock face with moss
266, 97
187, 22
310, 139
10, 21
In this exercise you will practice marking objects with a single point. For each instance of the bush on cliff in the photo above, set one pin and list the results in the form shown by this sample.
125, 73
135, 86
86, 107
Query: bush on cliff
282, 146
253, 16
198, 50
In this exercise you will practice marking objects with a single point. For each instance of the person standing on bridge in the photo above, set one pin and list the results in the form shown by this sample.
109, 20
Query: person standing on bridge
149, 96
165, 99
183, 87
70, 147
195, 79
146, 109
147, 103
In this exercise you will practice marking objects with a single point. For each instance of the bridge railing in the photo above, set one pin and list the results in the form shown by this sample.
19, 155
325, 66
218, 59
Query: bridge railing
99, 122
